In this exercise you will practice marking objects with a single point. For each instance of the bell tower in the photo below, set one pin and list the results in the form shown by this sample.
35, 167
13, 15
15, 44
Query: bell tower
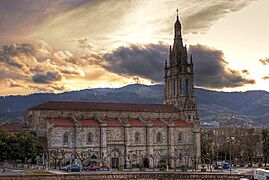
179, 88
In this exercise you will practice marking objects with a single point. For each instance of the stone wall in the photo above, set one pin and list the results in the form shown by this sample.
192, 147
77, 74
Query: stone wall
115, 142
149, 176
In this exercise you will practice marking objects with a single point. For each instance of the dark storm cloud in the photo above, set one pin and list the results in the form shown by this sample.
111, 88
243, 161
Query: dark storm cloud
146, 61
264, 61
47, 78
211, 69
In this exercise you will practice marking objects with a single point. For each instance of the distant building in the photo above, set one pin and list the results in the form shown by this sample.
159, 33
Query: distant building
124, 134
14, 127
210, 125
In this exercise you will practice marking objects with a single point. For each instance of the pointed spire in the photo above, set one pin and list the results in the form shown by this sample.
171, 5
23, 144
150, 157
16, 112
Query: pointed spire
177, 27
165, 63
177, 15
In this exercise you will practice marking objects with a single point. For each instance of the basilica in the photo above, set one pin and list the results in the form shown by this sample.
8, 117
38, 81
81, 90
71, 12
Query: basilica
121, 135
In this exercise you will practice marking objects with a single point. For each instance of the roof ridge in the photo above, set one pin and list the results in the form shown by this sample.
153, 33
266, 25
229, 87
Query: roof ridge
103, 106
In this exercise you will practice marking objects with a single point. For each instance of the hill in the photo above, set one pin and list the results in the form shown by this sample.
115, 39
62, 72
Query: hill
226, 107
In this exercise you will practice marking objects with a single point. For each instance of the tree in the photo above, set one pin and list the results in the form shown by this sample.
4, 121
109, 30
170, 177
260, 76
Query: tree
4, 146
18, 146
207, 146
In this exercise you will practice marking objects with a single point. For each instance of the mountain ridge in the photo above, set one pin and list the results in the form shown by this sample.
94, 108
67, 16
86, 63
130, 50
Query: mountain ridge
245, 107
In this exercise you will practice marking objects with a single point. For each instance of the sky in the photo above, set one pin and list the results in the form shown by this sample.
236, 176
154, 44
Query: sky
66, 45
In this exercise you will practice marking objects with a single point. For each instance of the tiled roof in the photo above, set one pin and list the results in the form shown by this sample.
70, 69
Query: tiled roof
113, 123
158, 122
63, 122
96, 106
14, 127
70, 122
135, 122
182, 123
89, 122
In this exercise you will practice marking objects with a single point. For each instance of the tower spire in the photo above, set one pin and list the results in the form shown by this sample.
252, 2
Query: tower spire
177, 15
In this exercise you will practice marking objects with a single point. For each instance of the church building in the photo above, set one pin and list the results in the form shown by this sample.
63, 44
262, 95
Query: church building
121, 134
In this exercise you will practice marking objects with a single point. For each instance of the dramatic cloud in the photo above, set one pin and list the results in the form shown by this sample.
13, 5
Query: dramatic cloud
245, 71
211, 69
265, 77
264, 61
24, 63
27, 68
202, 14
146, 61
19, 18
47, 78
109, 24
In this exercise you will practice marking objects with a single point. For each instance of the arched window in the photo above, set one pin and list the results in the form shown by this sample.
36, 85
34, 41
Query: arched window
180, 137
137, 137
187, 86
89, 138
65, 138
174, 87
158, 137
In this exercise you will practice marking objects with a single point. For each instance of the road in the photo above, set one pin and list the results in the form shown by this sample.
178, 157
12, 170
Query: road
9, 171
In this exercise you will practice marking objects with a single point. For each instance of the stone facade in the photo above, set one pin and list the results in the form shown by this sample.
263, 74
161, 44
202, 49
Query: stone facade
125, 134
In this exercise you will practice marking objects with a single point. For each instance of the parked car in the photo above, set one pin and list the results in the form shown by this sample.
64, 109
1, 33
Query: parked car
226, 165
93, 167
218, 165
72, 168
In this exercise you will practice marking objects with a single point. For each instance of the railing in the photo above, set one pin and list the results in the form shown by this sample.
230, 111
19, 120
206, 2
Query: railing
131, 175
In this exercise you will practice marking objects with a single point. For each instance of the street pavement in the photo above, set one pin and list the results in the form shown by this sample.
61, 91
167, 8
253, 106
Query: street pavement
10, 171
14, 171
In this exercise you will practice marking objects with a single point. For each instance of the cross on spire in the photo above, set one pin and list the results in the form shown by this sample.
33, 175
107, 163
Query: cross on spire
177, 14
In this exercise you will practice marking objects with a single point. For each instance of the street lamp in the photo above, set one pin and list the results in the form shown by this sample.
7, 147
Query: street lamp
230, 142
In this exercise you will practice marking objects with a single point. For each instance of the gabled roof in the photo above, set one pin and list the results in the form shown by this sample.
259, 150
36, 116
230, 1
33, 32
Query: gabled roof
182, 123
136, 122
89, 122
63, 122
158, 122
97, 106
113, 122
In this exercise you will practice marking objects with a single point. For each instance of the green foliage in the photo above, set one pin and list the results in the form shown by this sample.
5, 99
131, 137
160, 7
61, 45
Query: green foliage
18, 146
